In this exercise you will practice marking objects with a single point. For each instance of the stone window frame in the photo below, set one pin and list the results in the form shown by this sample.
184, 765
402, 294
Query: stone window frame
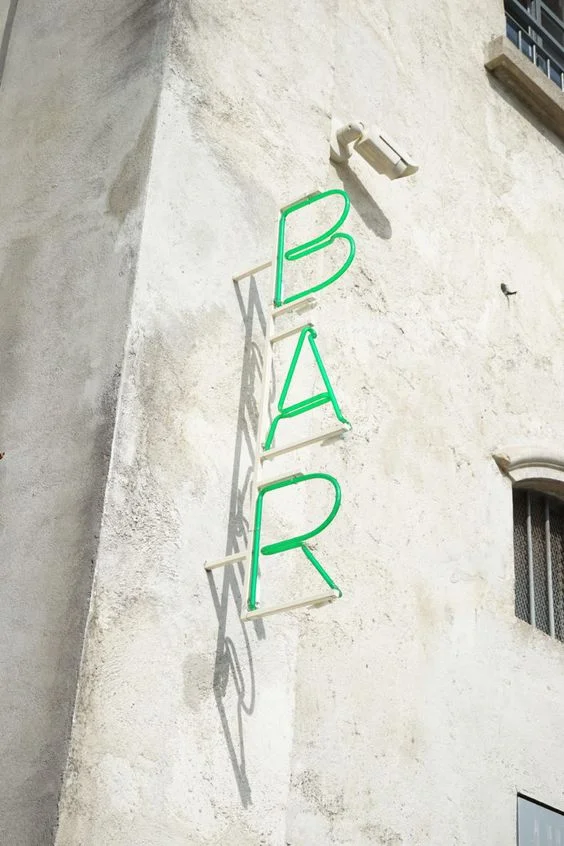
539, 572
540, 468
520, 74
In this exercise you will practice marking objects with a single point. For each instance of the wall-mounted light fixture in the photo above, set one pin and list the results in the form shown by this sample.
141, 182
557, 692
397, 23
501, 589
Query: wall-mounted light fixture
378, 149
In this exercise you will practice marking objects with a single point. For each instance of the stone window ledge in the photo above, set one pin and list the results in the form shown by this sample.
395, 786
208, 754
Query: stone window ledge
527, 83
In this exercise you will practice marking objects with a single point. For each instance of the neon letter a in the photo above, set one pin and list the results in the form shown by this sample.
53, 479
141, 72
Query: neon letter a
301, 407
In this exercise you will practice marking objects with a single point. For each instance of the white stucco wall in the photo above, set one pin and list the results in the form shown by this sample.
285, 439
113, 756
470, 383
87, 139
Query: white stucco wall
78, 94
411, 711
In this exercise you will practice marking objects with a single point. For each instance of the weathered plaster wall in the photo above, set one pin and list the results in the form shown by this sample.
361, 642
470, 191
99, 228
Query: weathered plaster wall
411, 711
78, 100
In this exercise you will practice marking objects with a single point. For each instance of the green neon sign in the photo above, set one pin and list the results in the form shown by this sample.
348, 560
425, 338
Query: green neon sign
319, 243
296, 542
286, 411
327, 396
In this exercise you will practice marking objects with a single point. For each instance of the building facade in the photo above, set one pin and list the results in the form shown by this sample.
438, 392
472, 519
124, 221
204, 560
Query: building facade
147, 150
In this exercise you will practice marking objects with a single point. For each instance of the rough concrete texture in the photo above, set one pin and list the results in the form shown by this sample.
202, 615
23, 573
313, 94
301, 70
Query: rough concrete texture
77, 104
411, 711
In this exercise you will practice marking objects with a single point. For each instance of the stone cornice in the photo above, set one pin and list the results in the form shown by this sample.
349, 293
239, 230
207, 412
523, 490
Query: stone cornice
529, 463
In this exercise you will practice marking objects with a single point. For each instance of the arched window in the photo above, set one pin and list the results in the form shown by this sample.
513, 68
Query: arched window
538, 535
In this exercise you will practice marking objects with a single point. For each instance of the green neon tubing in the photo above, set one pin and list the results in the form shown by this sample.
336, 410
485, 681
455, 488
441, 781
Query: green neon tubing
310, 403
297, 542
319, 243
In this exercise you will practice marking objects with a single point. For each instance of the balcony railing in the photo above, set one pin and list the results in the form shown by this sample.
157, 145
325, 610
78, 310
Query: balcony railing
530, 35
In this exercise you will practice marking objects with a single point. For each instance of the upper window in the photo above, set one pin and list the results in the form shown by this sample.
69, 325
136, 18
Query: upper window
536, 27
538, 533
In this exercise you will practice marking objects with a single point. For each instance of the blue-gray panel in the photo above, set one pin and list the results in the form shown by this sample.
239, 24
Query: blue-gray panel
538, 826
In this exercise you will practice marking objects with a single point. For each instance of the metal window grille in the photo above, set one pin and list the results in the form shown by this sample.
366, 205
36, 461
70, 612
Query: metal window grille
536, 27
538, 527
